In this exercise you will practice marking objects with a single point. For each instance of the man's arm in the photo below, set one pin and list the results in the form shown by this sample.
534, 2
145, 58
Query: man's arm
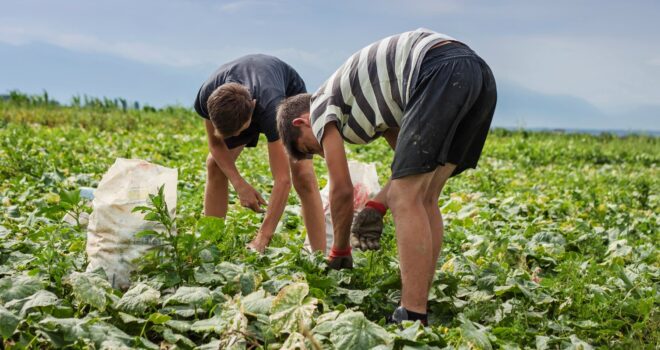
341, 187
304, 181
368, 224
279, 167
249, 197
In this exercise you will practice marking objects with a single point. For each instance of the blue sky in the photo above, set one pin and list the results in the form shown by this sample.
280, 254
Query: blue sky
559, 64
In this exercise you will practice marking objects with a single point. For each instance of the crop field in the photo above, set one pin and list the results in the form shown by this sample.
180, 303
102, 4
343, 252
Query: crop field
552, 243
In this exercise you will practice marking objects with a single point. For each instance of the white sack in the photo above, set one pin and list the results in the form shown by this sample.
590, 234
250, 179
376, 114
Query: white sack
365, 186
112, 225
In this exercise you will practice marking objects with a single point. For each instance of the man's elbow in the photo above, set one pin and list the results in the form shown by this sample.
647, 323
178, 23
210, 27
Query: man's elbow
342, 193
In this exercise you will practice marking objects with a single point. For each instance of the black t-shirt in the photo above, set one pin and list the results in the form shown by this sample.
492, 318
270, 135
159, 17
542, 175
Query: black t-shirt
269, 81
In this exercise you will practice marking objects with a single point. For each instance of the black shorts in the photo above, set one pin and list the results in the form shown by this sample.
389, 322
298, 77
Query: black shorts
448, 115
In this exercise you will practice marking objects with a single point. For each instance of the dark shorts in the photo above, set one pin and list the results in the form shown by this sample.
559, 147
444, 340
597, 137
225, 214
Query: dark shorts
448, 115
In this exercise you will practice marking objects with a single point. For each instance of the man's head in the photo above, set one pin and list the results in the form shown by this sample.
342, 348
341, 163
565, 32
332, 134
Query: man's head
230, 109
295, 129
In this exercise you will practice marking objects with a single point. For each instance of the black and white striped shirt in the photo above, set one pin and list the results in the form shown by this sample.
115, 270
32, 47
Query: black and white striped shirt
368, 93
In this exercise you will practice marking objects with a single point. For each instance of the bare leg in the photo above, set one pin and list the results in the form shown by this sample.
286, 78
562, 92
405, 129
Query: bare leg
440, 177
390, 136
304, 181
414, 238
216, 193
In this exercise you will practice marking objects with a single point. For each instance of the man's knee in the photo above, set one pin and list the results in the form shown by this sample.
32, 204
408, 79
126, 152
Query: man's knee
212, 168
400, 196
305, 182
431, 199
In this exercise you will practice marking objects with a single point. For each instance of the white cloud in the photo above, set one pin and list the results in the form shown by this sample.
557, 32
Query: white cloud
132, 50
156, 54
420, 7
237, 6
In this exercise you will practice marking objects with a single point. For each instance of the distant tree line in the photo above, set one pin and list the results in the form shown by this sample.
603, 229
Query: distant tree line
18, 98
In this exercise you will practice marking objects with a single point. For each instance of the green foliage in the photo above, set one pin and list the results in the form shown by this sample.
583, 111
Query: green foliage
550, 244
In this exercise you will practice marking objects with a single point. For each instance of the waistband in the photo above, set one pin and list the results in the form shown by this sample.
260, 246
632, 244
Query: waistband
450, 50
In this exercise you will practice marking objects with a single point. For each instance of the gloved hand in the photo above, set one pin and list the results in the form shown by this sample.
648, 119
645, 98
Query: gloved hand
340, 259
368, 227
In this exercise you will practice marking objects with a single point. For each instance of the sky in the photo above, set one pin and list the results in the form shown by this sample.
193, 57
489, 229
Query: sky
558, 64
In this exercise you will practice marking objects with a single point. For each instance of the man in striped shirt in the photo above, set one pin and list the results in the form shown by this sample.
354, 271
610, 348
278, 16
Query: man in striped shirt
432, 99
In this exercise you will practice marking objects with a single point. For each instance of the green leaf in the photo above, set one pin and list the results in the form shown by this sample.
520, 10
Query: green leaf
474, 336
158, 318
89, 288
19, 287
41, 298
291, 309
356, 296
64, 331
229, 320
138, 299
324, 323
576, 344
195, 296
295, 341
542, 342
8, 323
127, 318
351, 330
258, 302
174, 338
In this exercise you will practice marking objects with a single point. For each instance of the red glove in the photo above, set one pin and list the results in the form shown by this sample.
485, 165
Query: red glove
340, 258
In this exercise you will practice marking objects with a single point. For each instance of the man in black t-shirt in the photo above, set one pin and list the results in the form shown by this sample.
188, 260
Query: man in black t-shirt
239, 102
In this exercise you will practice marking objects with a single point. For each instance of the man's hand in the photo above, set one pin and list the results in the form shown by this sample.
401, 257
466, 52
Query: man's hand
366, 229
250, 198
260, 242
340, 259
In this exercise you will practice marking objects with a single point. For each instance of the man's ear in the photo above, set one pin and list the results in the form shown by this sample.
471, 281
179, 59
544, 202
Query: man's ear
300, 121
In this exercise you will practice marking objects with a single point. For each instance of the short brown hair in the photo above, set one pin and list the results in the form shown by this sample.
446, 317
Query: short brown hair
290, 109
230, 107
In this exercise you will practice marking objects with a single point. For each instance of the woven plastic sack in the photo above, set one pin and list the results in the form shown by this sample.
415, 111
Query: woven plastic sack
365, 186
111, 242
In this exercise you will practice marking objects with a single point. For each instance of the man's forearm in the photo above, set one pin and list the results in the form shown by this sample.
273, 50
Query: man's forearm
276, 205
312, 210
227, 166
341, 209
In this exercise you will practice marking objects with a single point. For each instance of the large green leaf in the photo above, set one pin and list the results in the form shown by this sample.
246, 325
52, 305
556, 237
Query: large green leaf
41, 298
295, 341
228, 320
8, 323
89, 288
138, 299
351, 330
195, 296
476, 338
68, 330
356, 296
258, 302
292, 309
18, 287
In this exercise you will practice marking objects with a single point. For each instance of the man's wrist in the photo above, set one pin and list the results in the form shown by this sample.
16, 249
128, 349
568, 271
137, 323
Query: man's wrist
337, 252
238, 183
379, 207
